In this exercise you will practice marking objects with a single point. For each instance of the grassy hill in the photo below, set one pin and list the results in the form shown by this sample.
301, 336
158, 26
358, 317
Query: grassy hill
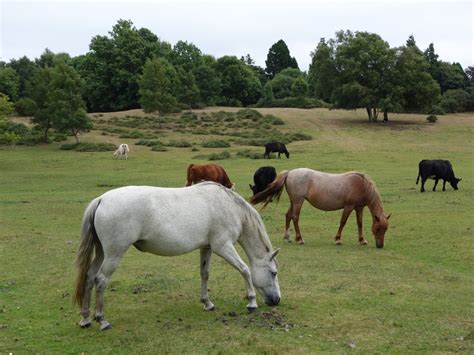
415, 295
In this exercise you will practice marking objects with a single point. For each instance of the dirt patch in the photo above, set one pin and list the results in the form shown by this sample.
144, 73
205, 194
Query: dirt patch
273, 320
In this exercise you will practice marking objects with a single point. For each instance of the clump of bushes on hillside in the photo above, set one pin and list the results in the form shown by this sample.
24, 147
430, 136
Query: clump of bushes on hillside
89, 147
216, 144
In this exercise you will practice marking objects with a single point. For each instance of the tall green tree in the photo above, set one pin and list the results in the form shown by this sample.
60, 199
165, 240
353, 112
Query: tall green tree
208, 81
279, 58
64, 101
363, 62
6, 107
187, 91
282, 83
185, 55
114, 63
39, 93
322, 71
9, 83
158, 86
239, 82
25, 69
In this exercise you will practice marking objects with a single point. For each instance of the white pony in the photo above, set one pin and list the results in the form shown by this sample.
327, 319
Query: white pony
169, 222
122, 151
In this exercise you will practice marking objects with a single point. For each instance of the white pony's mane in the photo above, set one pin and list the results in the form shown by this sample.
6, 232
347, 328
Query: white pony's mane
252, 215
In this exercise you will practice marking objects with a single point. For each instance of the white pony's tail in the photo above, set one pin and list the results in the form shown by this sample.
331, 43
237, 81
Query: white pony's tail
89, 240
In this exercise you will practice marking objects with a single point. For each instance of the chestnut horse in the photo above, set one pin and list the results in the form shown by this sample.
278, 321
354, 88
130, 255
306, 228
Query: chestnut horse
208, 172
328, 192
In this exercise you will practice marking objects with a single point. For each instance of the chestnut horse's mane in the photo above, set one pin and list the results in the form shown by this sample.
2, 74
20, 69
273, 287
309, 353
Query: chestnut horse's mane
373, 196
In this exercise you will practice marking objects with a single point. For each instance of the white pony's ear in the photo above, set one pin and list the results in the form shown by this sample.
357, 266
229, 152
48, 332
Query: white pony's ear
274, 254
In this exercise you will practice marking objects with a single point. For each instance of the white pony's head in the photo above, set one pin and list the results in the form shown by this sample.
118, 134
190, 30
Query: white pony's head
265, 278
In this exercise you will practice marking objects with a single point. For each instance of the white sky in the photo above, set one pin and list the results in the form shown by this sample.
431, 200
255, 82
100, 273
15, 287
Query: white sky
238, 27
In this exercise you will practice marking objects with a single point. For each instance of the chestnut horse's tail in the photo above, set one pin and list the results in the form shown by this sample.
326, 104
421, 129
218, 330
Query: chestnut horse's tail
274, 189
89, 241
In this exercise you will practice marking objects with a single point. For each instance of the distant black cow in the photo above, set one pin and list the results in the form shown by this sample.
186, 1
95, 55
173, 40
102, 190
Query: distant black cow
275, 147
262, 178
436, 169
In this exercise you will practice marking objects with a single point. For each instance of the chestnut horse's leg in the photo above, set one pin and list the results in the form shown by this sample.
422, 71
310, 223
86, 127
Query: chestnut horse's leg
345, 214
205, 260
359, 214
288, 216
295, 216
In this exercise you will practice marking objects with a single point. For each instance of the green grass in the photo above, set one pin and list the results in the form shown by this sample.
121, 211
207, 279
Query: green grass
415, 295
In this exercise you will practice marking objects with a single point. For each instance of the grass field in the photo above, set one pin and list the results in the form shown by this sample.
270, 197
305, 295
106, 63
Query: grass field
415, 295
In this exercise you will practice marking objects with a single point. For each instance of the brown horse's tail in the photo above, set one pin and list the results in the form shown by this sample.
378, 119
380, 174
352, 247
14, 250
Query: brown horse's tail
89, 240
189, 178
274, 189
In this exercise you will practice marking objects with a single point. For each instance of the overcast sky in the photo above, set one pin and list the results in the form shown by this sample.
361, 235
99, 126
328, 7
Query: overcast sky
238, 27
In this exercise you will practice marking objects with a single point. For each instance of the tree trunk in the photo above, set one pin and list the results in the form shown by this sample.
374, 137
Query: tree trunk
76, 136
369, 112
385, 116
375, 115
46, 135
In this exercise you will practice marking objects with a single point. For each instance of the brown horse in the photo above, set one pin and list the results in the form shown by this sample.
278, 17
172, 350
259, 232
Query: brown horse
208, 172
328, 192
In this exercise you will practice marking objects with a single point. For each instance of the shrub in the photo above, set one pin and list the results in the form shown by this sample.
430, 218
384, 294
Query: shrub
159, 148
436, 110
432, 118
133, 135
59, 137
89, 147
25, 107
216, 144
179, 144
220, 156
249, 154
249, 114
148, 143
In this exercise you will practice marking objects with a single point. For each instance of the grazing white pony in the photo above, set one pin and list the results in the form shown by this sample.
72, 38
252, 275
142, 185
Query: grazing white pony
122, 151
169, 222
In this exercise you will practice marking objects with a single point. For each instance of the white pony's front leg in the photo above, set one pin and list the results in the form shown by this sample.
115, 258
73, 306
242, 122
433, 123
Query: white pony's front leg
228, 252
205, 260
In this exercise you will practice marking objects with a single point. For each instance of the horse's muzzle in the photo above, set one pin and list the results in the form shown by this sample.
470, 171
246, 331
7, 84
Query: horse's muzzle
272, 301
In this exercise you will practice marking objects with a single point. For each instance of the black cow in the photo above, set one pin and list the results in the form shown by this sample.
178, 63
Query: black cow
436, 169
262, 178
275, 147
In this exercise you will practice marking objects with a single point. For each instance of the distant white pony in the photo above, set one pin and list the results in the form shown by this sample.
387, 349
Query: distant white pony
122, 151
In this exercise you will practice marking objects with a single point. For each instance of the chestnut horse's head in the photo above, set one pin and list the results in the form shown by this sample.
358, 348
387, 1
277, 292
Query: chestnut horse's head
379, 227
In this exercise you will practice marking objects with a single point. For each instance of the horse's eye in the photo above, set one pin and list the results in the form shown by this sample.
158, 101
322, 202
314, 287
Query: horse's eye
274, 273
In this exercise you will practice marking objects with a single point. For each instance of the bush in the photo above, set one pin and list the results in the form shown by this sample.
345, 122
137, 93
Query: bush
436, 110
25, 107
294, 102
159, 148
148, 143
249, 114
250, 154
220, 156
216, 144
432, 118
59, 137
179, 144
89, 147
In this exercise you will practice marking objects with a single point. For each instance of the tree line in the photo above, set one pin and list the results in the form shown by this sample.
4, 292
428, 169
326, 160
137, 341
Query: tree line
132, 68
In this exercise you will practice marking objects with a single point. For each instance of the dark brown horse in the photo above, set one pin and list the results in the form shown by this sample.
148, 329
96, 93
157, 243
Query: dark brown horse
328, 192
208, 172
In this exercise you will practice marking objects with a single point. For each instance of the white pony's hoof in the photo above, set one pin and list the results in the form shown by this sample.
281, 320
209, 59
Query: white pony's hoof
252, 309
104, 325
209, 307
85, 323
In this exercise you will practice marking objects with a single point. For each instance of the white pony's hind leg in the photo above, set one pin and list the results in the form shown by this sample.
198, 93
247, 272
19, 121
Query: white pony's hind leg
228, 252
101, 281
90, 278
205, 260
